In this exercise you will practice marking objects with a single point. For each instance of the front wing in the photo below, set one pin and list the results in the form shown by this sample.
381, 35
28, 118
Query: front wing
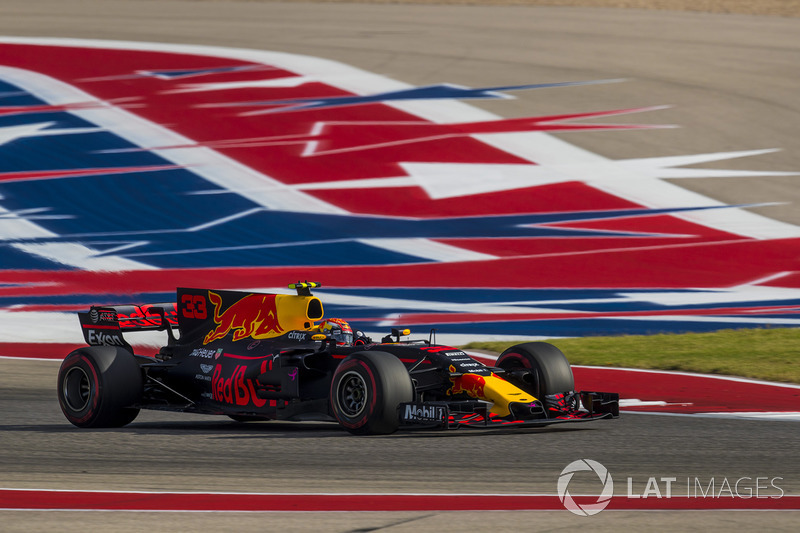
476, 414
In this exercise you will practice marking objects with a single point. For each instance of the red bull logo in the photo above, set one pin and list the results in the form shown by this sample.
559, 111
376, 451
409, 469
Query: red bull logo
491, 388
235, 390
472, 384
255, 315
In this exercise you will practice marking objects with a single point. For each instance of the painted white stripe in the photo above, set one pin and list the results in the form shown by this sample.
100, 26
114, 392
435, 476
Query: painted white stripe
605, 175
77, 255
432, 305
12, 133
788, 416
735, 296
635, 402
788, 322
747, 415
428, 249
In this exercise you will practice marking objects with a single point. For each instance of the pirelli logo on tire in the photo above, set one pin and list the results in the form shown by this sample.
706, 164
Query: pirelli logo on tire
423, 413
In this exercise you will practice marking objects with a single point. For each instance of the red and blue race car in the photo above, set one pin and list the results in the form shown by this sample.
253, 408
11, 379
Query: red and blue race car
258, 356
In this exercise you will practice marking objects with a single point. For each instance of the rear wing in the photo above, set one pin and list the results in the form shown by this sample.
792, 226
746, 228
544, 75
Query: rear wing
104, 325
207, 315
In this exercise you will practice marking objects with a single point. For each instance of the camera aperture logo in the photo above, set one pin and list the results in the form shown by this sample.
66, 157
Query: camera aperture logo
586, 509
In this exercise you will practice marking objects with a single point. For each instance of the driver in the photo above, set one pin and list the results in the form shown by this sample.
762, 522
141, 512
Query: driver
341, 332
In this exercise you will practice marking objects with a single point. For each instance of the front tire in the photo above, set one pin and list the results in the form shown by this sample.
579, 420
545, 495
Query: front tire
366, 390
538, 368
98, 385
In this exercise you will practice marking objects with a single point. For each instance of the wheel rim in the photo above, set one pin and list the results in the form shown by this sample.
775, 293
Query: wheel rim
352, 394
77, 390
515, 360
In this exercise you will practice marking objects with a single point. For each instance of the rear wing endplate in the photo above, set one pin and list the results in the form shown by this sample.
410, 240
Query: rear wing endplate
104, 325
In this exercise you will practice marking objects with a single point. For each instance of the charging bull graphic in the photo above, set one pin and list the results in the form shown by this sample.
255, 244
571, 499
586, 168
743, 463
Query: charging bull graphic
255, 315
489, 387
472, 384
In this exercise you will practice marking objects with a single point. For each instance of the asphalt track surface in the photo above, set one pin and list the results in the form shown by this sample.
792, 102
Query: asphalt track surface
732, 80
174, 452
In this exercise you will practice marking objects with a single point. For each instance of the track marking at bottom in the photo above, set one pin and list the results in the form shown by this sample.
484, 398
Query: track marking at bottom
62, 500
774, 416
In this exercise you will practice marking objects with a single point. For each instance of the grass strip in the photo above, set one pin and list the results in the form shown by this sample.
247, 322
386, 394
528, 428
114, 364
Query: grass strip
768, 354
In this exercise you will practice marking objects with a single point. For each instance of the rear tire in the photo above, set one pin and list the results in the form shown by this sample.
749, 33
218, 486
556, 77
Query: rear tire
539, 368
366, 390
98, 385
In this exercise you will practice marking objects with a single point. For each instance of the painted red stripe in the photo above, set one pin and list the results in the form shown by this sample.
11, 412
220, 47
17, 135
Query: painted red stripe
20, 109
412, 319
168, 501
569, 271
10, 177
702, 393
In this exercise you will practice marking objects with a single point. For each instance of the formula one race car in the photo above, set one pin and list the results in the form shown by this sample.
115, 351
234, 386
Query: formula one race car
255, 356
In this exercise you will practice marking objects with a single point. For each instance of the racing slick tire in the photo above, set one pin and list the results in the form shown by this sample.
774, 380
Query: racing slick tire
98, 385
548, 371
366, 390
